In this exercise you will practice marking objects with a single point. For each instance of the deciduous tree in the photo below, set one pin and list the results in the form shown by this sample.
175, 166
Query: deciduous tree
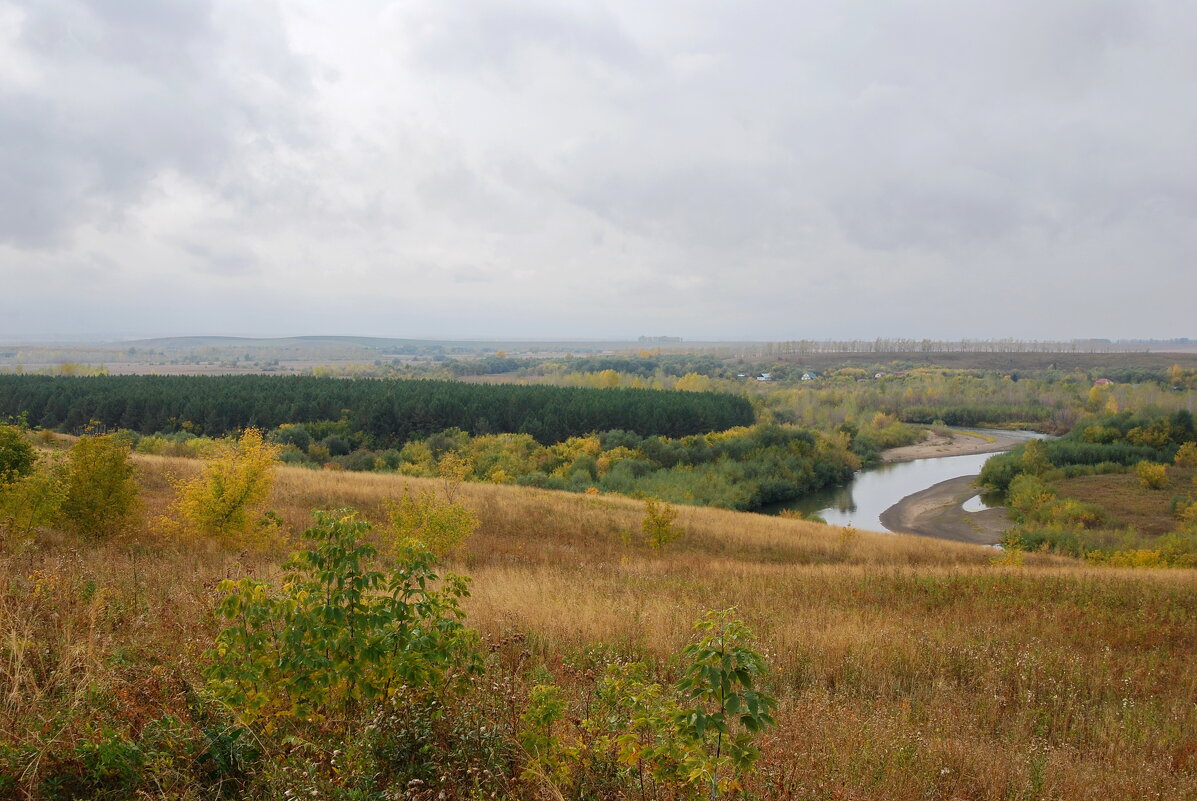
226, 503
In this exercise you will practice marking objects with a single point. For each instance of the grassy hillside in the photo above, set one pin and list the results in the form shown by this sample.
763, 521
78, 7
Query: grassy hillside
905, 668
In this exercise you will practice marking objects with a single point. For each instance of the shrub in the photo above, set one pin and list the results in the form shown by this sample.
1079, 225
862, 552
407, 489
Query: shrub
226, 501
293, 434
693, 739
424, 521
657, 526
31, 502
1186, 455
1034, 458
728, 711
337, 446
17, 456
1028, 494
99, 492
1152, 476
339, 635
541, 481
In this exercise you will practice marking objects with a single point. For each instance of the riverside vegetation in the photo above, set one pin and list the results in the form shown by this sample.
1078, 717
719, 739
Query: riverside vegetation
1120, 488
470, 640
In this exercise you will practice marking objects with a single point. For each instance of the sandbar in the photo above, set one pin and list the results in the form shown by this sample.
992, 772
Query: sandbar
938, 512
956, 444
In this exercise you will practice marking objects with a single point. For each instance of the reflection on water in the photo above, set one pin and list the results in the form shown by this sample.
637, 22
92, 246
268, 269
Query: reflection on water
974, 504
861, 502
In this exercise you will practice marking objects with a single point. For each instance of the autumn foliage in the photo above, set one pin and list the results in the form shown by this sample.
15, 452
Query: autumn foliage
226, 502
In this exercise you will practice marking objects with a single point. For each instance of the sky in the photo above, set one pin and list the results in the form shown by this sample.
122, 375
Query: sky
499, 169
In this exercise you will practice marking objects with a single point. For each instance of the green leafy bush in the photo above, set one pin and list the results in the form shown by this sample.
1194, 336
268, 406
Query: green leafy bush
727, 710
422, 520
17, 456
225, 503
339, 635
30, 502
99, 491
1186, 455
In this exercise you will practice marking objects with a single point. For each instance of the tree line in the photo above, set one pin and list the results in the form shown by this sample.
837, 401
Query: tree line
901, 345
387, 412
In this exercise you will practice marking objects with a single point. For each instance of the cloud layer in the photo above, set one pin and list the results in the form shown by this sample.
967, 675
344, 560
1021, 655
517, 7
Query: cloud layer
496, 168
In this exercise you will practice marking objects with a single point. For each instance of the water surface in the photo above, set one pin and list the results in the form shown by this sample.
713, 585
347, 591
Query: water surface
861, 501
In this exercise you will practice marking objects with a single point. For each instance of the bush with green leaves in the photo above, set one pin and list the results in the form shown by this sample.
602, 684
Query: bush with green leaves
31, 494
1186, 455
99, 491
725, 709
30, 503
17, 456
340, 636
226, 501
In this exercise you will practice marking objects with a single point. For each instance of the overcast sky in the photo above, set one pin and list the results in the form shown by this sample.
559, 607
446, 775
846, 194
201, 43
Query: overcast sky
712, 170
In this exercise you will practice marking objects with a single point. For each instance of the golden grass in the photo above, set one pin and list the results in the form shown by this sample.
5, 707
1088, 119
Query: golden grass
907, 668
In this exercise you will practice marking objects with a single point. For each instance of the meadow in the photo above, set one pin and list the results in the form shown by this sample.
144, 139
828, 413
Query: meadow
904, 668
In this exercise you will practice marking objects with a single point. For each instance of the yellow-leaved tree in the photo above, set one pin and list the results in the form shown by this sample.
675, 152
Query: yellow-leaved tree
426, 522
423, 520
694, 382
1186, 455
226, 503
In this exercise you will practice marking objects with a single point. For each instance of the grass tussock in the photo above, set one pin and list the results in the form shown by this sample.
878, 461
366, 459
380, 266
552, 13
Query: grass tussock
906, 668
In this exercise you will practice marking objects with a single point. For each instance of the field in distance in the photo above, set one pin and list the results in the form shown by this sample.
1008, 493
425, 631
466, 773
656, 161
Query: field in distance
221, 355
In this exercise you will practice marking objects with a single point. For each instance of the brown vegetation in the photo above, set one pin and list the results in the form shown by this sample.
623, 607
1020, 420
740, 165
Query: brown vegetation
1127, 502
906, 668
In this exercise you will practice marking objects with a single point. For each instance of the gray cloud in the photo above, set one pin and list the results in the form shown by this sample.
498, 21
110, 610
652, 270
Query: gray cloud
758, 169
510, 40
220, 261
125, 92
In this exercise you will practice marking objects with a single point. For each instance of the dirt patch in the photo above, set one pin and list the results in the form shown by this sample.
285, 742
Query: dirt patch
957, 444
938, 512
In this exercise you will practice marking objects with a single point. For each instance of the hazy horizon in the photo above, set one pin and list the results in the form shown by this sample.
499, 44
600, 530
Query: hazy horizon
117, 338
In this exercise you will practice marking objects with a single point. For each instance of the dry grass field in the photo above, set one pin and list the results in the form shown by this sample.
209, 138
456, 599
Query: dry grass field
906, 668
1127, 502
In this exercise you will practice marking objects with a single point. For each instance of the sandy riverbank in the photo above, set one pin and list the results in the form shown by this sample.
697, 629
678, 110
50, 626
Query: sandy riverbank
937, 512
956, 444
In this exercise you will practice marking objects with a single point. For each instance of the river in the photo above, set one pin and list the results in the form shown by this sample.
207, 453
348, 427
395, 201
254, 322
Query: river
861, 501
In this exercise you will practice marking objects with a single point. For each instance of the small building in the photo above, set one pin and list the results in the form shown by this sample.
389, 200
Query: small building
1102, 382
765, 377
808, 376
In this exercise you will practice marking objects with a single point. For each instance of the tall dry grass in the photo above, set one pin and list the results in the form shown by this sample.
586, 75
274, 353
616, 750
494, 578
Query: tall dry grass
907, 668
